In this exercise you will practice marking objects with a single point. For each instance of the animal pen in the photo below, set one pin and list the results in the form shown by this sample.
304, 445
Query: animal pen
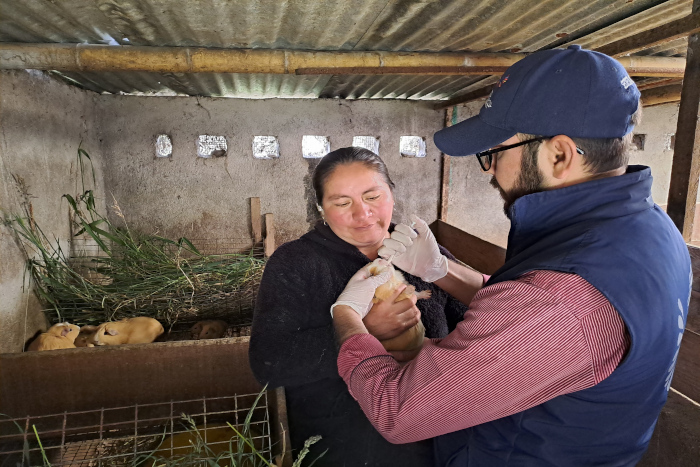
196, 126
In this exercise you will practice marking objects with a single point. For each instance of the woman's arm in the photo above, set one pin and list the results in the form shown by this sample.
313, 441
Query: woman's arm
292, 340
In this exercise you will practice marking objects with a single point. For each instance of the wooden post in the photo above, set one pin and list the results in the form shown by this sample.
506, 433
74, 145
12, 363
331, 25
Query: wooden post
450, 119
256, 220
685, 170
269, 235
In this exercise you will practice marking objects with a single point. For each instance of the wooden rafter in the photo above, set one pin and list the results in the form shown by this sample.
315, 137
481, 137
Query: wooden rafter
685, 170
655, 36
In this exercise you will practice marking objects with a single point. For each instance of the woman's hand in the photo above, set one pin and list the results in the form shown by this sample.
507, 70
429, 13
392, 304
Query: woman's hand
360, 289
387, 319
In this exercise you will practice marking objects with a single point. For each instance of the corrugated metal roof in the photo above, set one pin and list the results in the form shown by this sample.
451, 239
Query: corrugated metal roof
388, 25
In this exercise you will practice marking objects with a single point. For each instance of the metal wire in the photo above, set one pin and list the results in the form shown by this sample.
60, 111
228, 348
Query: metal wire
125, 436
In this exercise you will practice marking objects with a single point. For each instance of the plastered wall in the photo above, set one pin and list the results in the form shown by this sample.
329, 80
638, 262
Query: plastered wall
42, 123
208, 198
476, 207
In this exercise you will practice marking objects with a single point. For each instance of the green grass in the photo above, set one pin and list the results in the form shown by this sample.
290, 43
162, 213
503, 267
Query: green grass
134, 274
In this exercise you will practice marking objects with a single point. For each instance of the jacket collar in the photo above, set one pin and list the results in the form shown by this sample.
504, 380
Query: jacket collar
538, 214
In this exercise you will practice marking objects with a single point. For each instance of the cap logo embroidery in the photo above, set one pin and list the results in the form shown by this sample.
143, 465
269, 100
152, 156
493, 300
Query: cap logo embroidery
488, 104
503, 81
626, 82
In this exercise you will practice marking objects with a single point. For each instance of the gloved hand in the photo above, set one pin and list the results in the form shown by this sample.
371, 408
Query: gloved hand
359, 292
417, 254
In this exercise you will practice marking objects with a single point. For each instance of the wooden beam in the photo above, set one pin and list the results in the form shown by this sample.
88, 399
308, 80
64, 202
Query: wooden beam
658, 84
479, 254
256, 220
446, 177
99, 58
269, 235
685, 169
662, 95
655, 36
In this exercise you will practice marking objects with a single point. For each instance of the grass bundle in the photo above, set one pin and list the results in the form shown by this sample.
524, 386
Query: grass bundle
134, 274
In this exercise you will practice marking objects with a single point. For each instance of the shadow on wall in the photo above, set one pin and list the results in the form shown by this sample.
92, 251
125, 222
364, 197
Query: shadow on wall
312, 214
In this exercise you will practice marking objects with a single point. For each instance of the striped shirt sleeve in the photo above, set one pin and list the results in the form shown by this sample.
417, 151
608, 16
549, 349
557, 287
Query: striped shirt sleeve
521, 343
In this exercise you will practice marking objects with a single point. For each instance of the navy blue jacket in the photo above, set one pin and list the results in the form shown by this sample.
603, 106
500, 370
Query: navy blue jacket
609, 232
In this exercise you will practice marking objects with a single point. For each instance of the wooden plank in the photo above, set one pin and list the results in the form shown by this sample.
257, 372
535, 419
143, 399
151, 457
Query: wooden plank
479, 254
675, 439
256, 220
685, 170
446, 177
279, 428
124, 375
269, 235
662, 95
655, 36
686, 377
694, 309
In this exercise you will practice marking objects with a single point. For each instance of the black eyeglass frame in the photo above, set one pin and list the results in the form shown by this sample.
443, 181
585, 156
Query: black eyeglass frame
485, 163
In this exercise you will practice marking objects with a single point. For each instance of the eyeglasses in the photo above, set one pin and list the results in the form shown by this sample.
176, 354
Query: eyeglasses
485, 157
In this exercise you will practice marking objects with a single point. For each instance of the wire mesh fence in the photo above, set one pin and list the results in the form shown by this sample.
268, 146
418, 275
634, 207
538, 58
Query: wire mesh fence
144, 435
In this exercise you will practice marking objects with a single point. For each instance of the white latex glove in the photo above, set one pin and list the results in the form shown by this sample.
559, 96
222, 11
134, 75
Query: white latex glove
359, 292
417, 254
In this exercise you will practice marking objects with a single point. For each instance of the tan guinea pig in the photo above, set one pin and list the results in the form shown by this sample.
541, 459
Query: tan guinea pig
412, 338
58, 336
139, 330
85, 337
209, 329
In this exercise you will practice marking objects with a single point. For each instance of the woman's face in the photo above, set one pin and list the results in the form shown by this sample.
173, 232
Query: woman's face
357, 206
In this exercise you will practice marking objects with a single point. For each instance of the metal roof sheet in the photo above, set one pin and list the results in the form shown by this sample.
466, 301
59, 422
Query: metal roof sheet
395, 25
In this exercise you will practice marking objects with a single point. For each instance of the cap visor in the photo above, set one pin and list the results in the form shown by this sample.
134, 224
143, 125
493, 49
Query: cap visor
469, 137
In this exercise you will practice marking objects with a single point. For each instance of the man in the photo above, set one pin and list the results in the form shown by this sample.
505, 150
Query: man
567, 352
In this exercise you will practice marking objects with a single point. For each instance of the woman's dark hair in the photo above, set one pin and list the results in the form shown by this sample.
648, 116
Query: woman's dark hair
344, 156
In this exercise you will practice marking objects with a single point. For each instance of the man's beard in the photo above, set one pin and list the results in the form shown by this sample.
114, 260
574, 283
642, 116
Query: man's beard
529, 181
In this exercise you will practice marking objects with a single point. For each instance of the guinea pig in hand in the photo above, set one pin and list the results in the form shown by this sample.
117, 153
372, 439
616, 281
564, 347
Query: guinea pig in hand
412, 338
85, 337
209, 329
58, 336
139, 330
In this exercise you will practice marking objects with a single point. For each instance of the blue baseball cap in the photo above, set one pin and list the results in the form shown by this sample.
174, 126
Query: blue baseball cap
575, 92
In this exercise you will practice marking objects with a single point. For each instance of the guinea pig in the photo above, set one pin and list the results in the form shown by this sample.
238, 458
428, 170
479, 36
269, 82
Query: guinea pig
58, 336
412, 338
85, 337
139, 330
209, 329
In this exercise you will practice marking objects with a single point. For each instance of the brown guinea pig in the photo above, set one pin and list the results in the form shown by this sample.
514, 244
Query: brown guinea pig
209, 329
85, 337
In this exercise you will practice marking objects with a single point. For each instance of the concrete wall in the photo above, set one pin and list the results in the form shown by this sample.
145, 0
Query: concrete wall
208, 198
42, 122
476, 207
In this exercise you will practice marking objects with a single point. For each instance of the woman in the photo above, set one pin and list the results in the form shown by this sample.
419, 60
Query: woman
292, 342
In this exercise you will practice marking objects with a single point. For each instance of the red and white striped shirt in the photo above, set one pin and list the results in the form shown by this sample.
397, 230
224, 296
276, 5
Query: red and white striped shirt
522, 343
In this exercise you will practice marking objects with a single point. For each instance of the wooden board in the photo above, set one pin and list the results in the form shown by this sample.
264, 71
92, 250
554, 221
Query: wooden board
685, 170
479, 254
41, 383
269, 234
675, 441
256, 220
686, 377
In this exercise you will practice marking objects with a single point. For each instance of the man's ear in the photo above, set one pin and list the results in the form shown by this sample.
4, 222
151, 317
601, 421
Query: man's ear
561, 156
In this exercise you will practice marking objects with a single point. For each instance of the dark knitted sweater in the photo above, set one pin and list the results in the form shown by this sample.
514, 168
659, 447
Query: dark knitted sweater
293, 345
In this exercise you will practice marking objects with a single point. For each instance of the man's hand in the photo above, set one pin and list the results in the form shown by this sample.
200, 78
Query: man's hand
387, 319
417, 254
359, 291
